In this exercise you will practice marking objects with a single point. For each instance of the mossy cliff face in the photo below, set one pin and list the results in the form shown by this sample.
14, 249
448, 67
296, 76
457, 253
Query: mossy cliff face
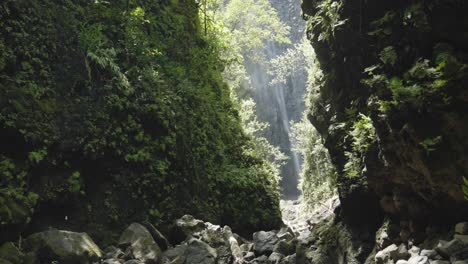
113, 112
392, 105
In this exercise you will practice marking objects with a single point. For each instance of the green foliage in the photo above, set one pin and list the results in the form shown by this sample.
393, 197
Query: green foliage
363, 135
465, 187
388, 56
430, 144
318, 175
327, 19
123, 102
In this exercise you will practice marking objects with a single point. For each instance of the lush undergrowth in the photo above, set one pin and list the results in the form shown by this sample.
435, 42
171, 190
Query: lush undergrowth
118, 112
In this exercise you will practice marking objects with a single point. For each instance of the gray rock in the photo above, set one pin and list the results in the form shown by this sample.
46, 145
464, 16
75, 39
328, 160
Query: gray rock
112, 261
387, 254
199, 252
260, 260
246, 247
285, 233
401, 261
402, 253
160, 239
275, 258
461, 228
113, 252
430, 253
284, 247
460, 262
463, 238
449, 248
140, 243
249, 256
439, 262
64, 246
418, 260
264, 242
414, 251
177, 252
289, 259
224, 255
189, 225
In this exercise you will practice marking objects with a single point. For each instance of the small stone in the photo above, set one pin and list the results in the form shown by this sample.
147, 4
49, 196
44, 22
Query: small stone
461, 228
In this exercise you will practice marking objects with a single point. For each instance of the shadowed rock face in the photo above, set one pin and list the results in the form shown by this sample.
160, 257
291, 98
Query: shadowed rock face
394, 98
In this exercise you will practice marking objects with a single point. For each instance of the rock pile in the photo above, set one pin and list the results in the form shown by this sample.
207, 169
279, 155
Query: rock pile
203, 243
454, 251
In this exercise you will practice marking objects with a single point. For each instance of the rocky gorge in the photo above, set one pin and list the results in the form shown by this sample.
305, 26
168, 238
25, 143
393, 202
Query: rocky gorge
121, 142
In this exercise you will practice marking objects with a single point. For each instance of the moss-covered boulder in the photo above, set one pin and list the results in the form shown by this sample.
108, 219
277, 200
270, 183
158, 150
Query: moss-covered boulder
63, 246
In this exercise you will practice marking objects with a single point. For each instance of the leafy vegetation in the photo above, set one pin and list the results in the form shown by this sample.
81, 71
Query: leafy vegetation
112, 113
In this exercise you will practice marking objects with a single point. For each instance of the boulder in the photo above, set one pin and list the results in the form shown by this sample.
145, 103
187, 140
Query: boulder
260, 260
189, 225
8, 251
246, 247
199, 252
174, 253
289, 259
402, 253
449, 248
439, 262
249, 256
140, 244
463, 238
275, 258
284, 247
160, 239
285, 233
414, 251
63, 246
113, 252
461, 228
387, 254
430, 253
264, 242
418, 260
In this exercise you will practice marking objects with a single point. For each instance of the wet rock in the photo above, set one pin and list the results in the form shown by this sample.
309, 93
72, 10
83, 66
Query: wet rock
461, 228
8, 251
264, 242
199, 252
63, 246
140, 243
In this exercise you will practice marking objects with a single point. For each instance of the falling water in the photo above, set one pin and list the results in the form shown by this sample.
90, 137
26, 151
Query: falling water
279, 104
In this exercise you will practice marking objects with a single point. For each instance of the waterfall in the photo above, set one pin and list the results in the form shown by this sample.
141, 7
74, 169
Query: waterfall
279, 104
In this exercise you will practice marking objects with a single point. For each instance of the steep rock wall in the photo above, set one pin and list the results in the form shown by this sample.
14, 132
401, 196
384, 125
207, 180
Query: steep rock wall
392, 106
